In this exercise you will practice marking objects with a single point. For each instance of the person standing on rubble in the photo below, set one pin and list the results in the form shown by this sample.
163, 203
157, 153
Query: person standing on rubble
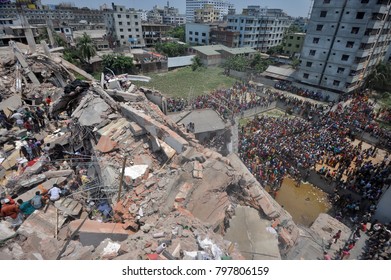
40, 116
18, 117
4, 120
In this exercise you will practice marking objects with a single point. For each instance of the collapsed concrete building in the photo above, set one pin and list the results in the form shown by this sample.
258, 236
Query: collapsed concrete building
171, 198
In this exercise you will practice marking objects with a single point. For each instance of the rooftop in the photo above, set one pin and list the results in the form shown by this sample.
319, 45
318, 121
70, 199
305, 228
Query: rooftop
215, 50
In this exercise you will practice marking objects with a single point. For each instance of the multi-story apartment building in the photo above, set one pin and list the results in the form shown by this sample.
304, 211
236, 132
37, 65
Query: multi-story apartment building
259, 28
293, 43
345, 40
198, 33
220, 5
65, 13
207, 14
123, 26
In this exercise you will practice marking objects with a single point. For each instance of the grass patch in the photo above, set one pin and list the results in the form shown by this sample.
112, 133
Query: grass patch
179, 82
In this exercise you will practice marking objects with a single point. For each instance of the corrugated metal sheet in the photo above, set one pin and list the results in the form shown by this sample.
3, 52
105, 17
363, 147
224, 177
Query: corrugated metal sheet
180, 61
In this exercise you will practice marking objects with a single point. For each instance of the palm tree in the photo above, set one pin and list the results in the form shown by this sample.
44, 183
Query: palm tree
86, 47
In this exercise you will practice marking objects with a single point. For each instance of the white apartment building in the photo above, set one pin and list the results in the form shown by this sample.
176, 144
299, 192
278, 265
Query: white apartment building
259, 28
345, 40
198, 33
123, 26
192, 5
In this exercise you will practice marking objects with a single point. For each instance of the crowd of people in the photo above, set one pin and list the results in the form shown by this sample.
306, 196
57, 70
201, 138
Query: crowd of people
287, 86
227, 102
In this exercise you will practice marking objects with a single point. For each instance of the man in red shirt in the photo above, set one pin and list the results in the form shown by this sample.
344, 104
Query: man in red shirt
12, 211
48, 100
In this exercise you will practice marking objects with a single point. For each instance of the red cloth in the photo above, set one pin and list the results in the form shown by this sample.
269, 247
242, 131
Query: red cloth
10, 210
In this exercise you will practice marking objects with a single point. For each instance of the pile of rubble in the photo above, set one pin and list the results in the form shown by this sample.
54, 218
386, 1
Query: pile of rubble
148, 189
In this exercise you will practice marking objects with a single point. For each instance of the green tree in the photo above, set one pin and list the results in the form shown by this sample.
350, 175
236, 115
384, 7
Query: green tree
118, 63
275, 50
197, 63
171, 49
380, 78
237, 63
178, 32
259, 64
86, 47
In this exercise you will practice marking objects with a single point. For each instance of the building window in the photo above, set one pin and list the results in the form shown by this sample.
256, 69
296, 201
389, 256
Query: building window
336, 83
119, 16
340, 70
315, 41
135, 16
191, 32
364, 1
127, 16
196, 33
360, 15
120, 23
306, 75
203, 34
349, 44
121, 30
128, 23
122, 36
326, 1
319, 27
308, 64
136, 29
312, 52
323, 13
355, 30
129, 30
130, 36
344, 57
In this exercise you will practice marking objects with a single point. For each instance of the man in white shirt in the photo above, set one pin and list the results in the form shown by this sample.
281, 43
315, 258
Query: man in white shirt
54, 193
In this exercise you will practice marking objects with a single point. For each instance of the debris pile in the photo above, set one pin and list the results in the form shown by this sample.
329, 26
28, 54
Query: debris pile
133, 184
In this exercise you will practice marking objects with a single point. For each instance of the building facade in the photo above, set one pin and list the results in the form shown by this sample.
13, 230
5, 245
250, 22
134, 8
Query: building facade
259, 28
64, 13
207, 14
293, 43
221, 6
123, 27
221, 36
345, 40
198, 34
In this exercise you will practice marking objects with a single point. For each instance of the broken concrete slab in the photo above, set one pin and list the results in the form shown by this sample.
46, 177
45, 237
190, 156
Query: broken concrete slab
136, 171
59, 173
250, 232
183, 192
76, 251
68, 206
94, 232
155, 143
93, 111
136, 129
33, 180
106, 250
167, 150
5, 231
42, 223
155, 128
105, 144
10, 104
11, 160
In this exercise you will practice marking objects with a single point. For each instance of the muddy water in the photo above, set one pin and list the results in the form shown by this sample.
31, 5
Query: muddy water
304, 203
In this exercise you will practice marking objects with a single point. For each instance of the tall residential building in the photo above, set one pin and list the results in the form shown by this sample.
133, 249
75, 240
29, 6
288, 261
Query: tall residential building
345, 40
123, 26
220, 5
259, 28
207, 14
